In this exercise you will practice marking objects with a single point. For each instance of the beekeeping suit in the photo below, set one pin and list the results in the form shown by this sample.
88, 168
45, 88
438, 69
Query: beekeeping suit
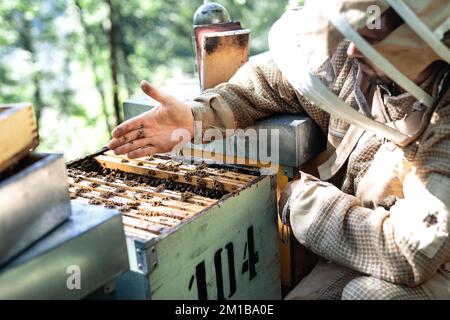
383, 224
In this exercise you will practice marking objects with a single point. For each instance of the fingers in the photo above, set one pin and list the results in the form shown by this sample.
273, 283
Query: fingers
285, 194
138, 122
142, 152
282, 202
127, 126
128, 138
132, 145
155, 93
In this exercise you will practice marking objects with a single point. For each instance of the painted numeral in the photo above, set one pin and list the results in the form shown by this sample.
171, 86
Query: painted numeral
251, 258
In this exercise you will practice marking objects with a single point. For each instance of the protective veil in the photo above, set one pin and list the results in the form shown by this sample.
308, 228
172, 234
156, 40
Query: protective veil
303, 41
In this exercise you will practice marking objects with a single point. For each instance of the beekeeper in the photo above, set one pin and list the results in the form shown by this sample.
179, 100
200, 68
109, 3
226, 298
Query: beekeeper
374, 76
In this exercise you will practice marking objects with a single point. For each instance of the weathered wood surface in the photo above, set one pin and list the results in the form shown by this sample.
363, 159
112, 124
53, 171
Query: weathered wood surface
223, 53
18, 133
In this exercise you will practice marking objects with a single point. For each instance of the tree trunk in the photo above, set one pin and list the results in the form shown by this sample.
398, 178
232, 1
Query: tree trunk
97, 79
113, 59
123, 47
27, 44
126, 75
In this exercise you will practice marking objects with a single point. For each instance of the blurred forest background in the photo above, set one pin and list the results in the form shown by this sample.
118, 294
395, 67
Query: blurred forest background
78, 60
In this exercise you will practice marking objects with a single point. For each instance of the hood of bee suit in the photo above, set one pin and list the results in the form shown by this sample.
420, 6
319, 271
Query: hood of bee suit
303, 39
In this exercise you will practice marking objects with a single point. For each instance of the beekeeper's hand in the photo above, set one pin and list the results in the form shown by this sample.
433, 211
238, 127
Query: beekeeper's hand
284, 197
155, 131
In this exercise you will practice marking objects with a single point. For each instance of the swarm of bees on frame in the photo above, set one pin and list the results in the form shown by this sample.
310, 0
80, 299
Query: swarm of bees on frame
142, 188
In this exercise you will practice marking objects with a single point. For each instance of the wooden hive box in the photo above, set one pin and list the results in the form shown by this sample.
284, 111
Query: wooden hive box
18, 133
218, 244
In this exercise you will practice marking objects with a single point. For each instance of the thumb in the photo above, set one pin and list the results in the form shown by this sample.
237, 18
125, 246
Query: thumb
154, 92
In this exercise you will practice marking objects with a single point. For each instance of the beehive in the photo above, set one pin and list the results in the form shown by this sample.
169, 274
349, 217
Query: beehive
194, 231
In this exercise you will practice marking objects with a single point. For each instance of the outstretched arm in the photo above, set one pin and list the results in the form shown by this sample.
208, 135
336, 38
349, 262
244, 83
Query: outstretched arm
254, 92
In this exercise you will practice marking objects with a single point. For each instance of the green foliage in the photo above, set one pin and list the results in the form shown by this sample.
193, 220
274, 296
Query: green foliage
57, 54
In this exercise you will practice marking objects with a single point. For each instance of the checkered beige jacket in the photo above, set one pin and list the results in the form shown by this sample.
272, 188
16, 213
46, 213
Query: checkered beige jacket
402, 245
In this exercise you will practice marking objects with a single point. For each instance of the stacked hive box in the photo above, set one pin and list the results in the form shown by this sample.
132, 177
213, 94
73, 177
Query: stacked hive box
29, 209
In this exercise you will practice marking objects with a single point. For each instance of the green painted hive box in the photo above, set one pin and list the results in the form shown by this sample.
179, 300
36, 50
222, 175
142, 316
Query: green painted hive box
185, 243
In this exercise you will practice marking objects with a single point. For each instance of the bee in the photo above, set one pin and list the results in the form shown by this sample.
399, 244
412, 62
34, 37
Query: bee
188, 176
201, 183
186, 196
95, 202
125, 208
202, 165
109, 204
160, 188
94, 184
146, 196
157, 203
91, 174
107, 194
219, 186
120, 190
